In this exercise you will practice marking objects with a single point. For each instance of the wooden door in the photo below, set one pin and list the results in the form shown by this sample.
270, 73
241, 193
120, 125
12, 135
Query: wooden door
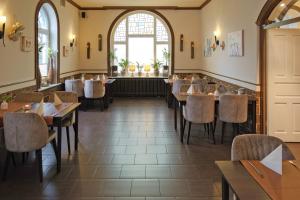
283, 84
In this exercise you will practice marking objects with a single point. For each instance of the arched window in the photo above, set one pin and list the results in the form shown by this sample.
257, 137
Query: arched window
47, 44
141, 37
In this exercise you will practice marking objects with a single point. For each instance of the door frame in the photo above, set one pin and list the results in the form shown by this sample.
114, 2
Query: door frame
262, 20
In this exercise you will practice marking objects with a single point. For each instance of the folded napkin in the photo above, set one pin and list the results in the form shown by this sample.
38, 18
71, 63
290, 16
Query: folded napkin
98, 77
40, 109
57, 100
273, 161
191, 90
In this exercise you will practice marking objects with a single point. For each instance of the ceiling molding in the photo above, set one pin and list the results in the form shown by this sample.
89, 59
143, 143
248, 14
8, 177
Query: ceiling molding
140, 7
296, 8
286, 9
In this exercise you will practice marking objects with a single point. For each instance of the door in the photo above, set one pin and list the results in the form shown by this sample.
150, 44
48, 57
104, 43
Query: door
283, 84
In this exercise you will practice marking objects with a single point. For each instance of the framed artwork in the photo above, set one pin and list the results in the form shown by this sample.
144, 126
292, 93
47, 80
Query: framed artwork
207, 47
66, 51
26, 44
236, 44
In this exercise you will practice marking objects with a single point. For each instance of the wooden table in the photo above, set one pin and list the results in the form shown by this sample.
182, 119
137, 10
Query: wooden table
54, 116
247, 184
180, 100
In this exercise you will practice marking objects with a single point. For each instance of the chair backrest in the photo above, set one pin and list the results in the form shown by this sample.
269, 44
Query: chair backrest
184, 88
74, 86
177, 85
32, 97
94, 89
200, 108
67, 97
233, 108
24, 132
257, 147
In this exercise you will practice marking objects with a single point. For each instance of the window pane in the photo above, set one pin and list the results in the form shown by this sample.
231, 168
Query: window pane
120, 51
161, 32
159, 52
43, 19
120, 34
140, 24
141, 50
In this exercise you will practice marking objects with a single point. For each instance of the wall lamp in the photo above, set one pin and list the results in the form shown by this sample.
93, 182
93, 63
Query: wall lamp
73, 38
2, 32
216, 34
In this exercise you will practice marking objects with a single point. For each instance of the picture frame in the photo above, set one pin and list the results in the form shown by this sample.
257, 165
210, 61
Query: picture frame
236, 44
66, 51
26, 44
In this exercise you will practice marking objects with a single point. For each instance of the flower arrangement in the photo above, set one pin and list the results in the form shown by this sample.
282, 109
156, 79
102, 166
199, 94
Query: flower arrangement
140, 68
16, 31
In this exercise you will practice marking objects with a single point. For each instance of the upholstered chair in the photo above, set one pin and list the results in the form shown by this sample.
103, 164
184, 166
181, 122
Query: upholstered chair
94, 90
74, 86
177, 85
67, 97
233, 109
184, 88
257, 147
202, 84
200, 109
32, 97
25, 132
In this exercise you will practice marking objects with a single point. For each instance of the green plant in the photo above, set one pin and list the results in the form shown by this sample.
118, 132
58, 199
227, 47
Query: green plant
139, 67
6, 98
113, 57
156, 65
167, 55
124, 64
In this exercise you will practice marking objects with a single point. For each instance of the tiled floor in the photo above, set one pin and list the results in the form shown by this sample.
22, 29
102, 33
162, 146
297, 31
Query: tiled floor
130, 151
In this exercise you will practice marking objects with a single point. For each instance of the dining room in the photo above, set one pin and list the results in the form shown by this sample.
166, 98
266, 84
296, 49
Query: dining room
149, 100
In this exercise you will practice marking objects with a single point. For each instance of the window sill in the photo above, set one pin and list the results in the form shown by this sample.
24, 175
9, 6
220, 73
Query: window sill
42, 89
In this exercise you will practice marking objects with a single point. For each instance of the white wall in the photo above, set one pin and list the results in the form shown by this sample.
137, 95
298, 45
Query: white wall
98, 22
18, 66
229, 16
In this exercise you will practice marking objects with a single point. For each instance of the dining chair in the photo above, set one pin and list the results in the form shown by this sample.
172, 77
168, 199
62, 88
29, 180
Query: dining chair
202, 84
94, 90
31, 97
75, 86
200, 109
67, 97
177, 85
257, 147
232, 109
184, 88
26, 132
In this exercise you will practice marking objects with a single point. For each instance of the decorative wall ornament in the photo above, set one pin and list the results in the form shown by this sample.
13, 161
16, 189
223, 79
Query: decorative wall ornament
88, 50
16, 31
66, 51
192, 50
181, 42
26, 44
236, 43
208, 47
100, 42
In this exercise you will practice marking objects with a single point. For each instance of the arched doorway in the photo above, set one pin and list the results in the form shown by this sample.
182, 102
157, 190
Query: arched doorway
152, 32
279, 25
47, 44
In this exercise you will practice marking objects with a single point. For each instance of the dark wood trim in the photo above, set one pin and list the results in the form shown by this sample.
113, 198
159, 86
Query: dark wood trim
266, 12
149, 10
16, 83
286, 9
296, 8
36, 57
282, 23
140, 7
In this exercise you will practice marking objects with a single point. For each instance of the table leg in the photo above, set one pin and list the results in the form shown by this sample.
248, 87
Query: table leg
59, 130
75, 126
225, 189
175, 114
181, 122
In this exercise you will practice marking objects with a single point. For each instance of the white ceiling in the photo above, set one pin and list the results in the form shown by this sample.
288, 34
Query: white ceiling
101, 3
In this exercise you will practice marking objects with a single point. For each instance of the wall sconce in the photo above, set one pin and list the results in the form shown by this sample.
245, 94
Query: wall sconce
88, 50
181, 42
216, 34
214, 46
222, 45
192, 50
2, 32
73, 38
100, 42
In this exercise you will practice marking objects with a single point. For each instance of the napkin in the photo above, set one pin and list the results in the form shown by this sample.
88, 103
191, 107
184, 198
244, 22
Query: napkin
57, 100
98, 77
191, 90
40, 109
273, 161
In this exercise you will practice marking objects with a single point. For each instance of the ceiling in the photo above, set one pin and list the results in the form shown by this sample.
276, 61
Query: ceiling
103, 3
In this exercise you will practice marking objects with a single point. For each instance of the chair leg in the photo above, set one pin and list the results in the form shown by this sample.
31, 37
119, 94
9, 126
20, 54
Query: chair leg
53, 143
237, 129
184, 124
39, 157
8, 156
23, 157
102, 104
213, 132
223, 131
68, 139
189, 133
13, 159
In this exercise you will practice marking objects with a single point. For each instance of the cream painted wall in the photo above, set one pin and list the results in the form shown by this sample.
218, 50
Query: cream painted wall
98, 22
229, 16
18, 66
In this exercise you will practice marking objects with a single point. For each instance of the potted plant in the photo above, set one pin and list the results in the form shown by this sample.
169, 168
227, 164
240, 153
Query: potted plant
167, 56
156, 66
124, 65
140, 69
4, 101
114, 68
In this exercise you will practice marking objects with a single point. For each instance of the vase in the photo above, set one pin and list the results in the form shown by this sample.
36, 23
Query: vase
4, 105
123, 72
156, 72
140, 73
